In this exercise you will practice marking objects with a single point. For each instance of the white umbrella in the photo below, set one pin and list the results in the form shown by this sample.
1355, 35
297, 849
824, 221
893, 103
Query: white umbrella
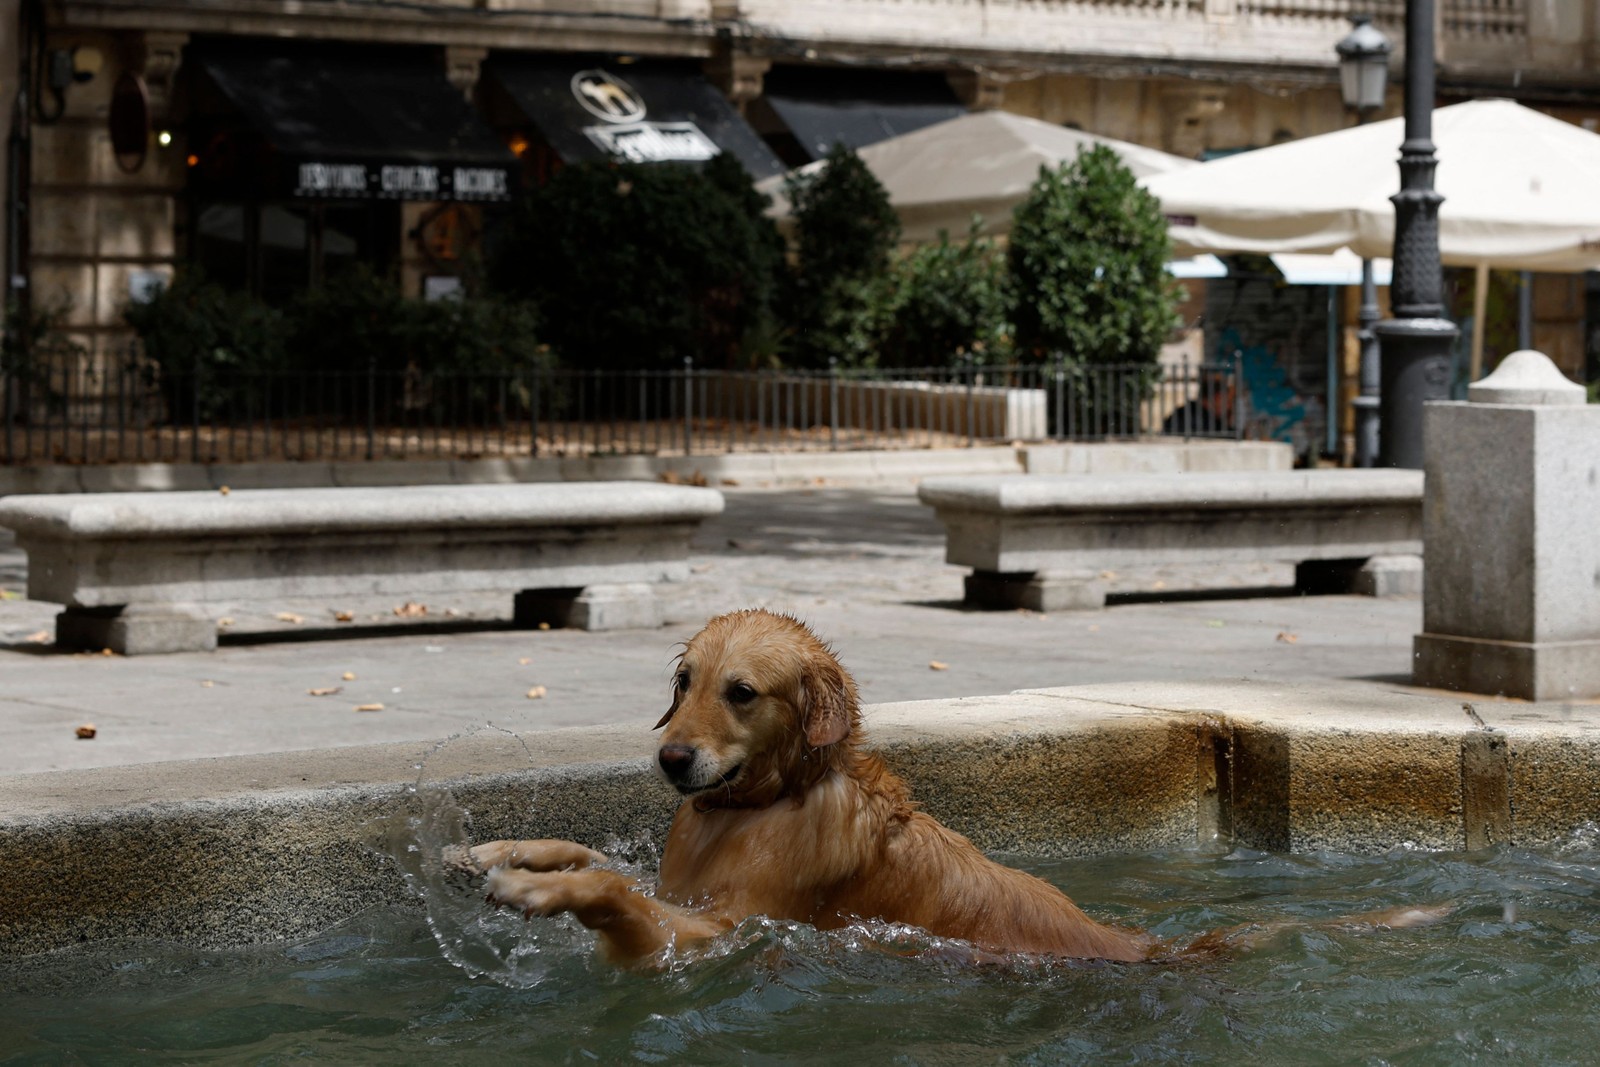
982, 163
1519, 192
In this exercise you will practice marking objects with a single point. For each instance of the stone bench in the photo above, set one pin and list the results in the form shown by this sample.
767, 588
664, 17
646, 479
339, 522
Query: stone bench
1044, 542
150, 572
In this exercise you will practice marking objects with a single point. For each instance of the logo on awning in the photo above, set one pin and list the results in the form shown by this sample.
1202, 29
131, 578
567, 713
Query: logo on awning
607, 97
654, 142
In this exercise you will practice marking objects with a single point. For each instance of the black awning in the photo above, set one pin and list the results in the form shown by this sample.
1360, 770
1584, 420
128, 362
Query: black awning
826, 106
361, 123
652, 111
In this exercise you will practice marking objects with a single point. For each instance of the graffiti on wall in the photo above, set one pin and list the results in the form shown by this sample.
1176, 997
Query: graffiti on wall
1274, 410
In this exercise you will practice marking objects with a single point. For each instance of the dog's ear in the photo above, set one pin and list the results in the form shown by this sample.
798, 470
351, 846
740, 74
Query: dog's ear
677, 696
830, 698
677, 693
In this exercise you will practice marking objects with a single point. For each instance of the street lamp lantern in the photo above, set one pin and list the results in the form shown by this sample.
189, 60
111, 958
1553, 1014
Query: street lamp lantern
1363, 65
1363, 79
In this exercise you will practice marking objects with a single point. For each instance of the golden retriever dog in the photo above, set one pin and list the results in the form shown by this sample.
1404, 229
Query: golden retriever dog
786, 815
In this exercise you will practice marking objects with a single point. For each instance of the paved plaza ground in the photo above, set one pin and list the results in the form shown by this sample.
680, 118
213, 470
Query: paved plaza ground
864, 566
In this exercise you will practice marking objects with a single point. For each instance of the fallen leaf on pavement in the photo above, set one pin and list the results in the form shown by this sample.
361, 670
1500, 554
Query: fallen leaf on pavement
369, 707
544, 626
348, 676
42, 637
700, 568
524, 660
536, 693
1288, 638
344, 616
326, 691
411, 610
935, 665
224, 490
86, 732
224, 621
289, 616
207, 684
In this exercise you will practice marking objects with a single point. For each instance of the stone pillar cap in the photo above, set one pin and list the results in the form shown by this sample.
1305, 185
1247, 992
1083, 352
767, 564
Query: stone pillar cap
1526, 378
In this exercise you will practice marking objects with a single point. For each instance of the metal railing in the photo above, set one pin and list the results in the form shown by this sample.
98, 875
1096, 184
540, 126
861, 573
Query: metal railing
128, 413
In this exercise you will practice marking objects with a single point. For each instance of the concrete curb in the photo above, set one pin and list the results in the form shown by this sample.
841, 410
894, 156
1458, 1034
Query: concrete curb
257, 848
750, 469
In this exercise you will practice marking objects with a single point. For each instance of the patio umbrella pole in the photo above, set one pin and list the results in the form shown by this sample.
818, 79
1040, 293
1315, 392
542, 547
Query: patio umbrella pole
1414, 345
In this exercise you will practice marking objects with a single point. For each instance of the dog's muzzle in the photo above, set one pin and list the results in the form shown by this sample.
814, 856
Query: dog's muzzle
688, 772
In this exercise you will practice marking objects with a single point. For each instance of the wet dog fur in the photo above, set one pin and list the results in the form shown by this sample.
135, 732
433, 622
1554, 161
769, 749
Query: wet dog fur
785, 814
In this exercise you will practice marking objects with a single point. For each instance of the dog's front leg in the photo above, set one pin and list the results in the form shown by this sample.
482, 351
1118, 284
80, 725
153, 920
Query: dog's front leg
544, 854
633, 928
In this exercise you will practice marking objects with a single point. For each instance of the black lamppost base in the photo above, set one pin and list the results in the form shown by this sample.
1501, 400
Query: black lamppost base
1415, 368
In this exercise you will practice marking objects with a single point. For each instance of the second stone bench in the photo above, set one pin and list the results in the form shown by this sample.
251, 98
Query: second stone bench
1044, 541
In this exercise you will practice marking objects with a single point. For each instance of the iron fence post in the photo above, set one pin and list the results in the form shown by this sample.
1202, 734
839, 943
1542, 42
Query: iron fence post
833, 403
533, 413
194, 412
1238, 396
688, 403
972, 381
372, 410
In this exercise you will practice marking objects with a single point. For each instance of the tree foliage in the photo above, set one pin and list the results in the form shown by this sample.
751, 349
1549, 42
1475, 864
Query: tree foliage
845, 236
1087, 260
644, 265
949, 301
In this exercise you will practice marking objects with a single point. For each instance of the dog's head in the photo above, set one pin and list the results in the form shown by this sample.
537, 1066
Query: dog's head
760, 709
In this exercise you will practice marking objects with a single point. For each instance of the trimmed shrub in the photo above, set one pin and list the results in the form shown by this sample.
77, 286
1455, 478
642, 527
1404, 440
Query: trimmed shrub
950, 302
1087, 260
644, 265
845, 236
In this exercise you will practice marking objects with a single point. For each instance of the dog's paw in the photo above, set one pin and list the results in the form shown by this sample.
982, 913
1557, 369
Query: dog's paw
530, 892
459, 858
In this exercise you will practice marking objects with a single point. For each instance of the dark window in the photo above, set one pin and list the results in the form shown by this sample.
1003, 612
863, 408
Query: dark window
274, 250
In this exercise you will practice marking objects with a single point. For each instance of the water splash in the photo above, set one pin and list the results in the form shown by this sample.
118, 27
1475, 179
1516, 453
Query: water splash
484, 942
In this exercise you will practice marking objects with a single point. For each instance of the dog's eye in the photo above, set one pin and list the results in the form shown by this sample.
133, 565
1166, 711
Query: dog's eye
739, 693
681, 682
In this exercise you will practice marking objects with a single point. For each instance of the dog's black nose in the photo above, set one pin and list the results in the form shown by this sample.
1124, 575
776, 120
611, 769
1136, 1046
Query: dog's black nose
676, 760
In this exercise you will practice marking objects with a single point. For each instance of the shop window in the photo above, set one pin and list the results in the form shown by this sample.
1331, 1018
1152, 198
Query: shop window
275, 250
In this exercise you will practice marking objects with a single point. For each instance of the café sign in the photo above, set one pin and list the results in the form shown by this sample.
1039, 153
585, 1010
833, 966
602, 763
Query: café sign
401, 181
623, 131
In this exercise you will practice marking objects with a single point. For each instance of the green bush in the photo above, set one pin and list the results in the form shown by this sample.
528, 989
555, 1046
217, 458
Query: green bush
194, 324
845, 236
1087, 261
644, 265
949, 302
35, 351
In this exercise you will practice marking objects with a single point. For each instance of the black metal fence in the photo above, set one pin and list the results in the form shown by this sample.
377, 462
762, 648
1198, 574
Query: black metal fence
126, 412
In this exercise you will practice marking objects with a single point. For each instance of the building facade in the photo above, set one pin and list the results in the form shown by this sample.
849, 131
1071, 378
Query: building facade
272, 141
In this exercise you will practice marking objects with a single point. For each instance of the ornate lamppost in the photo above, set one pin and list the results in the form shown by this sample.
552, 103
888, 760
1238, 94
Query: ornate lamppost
1363, 81
1414, 345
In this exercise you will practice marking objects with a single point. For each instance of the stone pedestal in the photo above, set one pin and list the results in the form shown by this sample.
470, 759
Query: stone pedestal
619, 606
138, 629
1511, 591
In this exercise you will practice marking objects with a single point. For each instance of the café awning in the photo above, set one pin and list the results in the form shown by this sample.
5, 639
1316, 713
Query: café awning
649, 111
348, 123
827, 106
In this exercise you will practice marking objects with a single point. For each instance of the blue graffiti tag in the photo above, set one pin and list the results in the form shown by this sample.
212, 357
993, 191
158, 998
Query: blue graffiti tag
1271, 401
